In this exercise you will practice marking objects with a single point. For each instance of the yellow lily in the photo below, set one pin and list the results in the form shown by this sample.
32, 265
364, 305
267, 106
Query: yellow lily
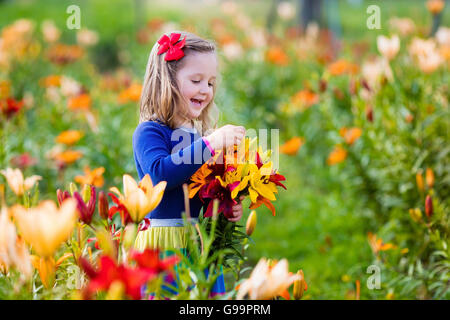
259, 183
16, 181
140, 199
46, 227
233, 176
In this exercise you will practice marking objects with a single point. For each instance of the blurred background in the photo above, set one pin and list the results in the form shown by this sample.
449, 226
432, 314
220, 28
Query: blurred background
359, 93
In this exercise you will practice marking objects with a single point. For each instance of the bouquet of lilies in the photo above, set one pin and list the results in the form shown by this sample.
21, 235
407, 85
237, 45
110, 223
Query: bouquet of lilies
242, 171
224, 179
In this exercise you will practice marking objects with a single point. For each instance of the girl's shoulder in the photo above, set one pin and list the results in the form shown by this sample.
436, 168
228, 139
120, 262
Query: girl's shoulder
152, 129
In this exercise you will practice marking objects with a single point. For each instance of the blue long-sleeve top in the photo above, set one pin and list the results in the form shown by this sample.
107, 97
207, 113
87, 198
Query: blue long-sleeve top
171, 155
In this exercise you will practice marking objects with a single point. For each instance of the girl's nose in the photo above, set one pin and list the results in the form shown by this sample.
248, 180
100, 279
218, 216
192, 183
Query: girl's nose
204, 89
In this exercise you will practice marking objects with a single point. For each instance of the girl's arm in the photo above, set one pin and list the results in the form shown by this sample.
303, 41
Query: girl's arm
153, 155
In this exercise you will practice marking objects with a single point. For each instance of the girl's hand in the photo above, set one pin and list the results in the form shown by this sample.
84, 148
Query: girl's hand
226, 136
237, 211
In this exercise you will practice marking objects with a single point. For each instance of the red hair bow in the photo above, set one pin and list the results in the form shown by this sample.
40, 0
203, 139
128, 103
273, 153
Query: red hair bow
170, 46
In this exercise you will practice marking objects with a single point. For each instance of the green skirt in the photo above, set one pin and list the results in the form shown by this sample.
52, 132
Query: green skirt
162, 238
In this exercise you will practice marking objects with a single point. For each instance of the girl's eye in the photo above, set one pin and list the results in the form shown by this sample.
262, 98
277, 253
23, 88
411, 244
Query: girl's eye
198, 81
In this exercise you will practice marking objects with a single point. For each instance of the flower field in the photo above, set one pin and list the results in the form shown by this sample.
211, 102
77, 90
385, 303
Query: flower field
363, 119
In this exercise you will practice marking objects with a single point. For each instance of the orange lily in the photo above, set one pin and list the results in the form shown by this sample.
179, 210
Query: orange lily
47, 268
69, 137
80, 102
292, 146
91, 177
337, 155
304, 99
277, 56
199, 180
63, 54
261, 200
377, 245
50, 81
13, 250
68, 156
350, 135
342, 67
132, 93
267, 282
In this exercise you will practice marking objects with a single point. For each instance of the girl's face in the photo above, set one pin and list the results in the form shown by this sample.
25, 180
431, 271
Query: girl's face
196, 79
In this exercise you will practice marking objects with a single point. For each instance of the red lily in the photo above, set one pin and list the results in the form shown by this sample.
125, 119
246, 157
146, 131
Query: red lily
108, 272
10, 106
144, 225
23, 161
150, 261
125, 216
275, 178
86, 211
214, 190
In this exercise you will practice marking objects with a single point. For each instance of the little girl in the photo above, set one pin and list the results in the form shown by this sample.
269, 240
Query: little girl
177, 101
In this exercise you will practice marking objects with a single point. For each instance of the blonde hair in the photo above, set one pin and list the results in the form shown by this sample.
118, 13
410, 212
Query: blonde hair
161, 98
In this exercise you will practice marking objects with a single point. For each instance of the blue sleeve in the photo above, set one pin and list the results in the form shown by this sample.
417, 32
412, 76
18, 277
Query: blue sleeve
153, 153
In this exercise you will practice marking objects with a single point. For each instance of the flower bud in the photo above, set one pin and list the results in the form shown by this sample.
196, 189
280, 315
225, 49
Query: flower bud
116, 291
299, 285
86, 193
338, 94
352, 86
106, 243
429, 178
415, 214
72, 187
103, 205
435, 6
369, 114
419, 181
428, 206
251, 223
409, 118
365, 84
322, 85
62, 195
129, 235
